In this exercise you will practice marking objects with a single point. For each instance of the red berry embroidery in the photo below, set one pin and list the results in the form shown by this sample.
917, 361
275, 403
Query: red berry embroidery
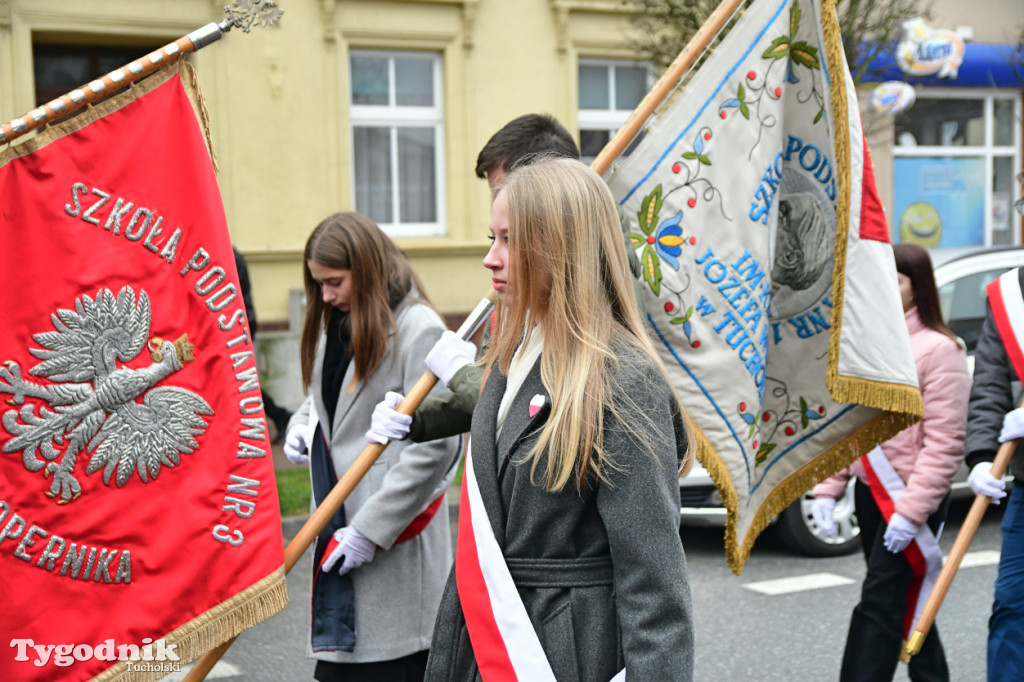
821, 409
650, 240
676, 168
691, 202
751, 75
721, 114
668, 306
707, 136
789, 430
696, 344
778, 92
765, 417
693, 240
743, 407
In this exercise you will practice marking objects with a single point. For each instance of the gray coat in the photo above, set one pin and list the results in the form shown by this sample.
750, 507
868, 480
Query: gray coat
397, 593
601, 571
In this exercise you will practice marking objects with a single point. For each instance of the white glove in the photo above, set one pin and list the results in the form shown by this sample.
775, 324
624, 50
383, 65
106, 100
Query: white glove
1013, 425
821, 512
297, 443
898, 534
449, 355
386, 424
356, 548
982, 481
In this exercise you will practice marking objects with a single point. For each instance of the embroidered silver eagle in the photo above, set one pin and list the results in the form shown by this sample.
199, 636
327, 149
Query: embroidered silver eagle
93, 403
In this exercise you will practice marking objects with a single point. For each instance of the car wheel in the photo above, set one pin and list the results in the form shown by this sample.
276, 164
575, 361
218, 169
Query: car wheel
796, 528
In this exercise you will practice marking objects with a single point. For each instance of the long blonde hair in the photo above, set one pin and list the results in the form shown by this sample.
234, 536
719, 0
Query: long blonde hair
568, 273
381, 278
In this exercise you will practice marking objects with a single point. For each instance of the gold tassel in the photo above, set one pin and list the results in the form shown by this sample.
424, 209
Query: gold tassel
216, 626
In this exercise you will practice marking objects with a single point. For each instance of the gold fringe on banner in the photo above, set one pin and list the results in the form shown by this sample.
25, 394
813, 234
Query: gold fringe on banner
217, 625
840, 455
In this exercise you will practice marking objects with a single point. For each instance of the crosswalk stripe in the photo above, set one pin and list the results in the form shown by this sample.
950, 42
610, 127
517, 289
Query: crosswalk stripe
985, 557
818, 581
798, 583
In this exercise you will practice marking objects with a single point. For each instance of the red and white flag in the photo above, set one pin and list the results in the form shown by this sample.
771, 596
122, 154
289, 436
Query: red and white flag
138, 507
770, 282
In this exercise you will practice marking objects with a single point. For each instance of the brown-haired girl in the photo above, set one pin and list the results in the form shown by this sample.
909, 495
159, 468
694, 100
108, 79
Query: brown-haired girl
367, 330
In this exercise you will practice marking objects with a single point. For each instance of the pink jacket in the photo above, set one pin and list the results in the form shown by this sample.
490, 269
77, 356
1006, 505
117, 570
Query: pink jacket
927, 454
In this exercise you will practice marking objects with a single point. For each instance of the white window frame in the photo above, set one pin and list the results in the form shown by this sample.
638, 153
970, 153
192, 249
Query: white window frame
988, 151
393, 116
611, 119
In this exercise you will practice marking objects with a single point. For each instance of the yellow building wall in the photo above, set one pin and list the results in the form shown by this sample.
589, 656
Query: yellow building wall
278, 101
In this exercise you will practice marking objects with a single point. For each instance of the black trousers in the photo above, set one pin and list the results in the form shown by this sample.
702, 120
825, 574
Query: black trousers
876, 627
409, 668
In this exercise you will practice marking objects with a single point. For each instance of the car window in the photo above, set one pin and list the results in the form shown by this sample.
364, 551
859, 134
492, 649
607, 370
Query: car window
963, 304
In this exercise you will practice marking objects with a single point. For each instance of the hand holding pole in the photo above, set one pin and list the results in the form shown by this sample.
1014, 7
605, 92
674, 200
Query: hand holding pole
347, 483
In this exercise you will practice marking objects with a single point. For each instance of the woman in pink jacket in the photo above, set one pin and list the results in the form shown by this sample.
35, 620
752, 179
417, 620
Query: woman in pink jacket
902, 491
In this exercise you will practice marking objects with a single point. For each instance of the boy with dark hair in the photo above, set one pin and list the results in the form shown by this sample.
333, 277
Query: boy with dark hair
523, 137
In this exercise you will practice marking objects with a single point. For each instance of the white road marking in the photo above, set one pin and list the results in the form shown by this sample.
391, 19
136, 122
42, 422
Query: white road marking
221, 670
985, 557
818, 581
798, 583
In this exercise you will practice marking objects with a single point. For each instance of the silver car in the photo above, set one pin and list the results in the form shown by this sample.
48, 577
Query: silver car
961, 278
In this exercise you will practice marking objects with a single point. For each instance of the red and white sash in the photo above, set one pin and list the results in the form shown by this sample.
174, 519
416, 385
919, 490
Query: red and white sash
923, 552
1007, 302
504, 642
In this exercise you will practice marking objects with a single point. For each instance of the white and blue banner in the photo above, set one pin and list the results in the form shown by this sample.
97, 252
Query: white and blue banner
771, 287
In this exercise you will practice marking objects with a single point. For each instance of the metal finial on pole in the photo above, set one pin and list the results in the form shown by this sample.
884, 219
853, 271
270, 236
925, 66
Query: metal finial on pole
242, 14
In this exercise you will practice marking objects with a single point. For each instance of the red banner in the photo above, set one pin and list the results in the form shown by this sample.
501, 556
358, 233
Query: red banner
138, 508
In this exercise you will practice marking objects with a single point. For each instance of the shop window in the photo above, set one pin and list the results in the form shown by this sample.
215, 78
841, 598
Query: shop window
954, 163
609, 91
397, 138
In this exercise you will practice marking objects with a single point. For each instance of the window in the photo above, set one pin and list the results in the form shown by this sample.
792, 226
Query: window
954, 162
397, 138
609, 92
59, 69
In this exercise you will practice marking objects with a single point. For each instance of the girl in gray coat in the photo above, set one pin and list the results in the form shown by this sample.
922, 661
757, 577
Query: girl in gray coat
569, 564
379, 567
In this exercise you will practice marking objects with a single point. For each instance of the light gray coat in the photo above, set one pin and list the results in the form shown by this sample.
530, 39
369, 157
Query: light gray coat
601, 571
397, 593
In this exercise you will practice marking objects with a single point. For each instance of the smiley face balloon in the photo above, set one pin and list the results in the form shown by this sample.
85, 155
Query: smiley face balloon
920, 224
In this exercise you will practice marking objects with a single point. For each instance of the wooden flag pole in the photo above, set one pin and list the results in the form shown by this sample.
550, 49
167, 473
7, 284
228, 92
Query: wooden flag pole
347, 483
653, 99
956, 555
241, 13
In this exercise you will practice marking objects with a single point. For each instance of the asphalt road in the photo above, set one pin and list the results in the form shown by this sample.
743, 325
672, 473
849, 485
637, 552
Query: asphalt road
741, 634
